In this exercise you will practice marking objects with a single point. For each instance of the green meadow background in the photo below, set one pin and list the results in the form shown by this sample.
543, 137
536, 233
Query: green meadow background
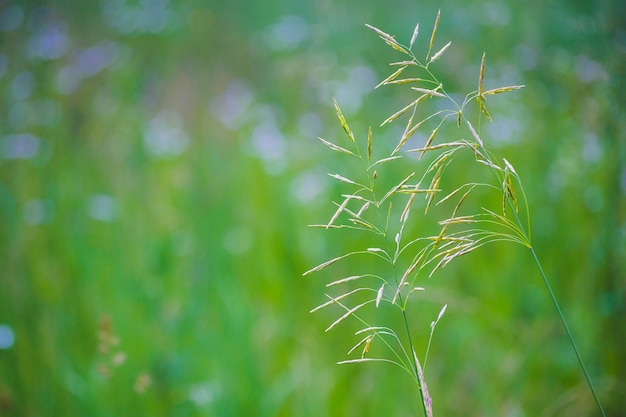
159, 167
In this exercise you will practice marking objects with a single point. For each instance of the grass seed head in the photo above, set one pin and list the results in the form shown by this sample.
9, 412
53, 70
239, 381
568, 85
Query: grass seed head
432, 36
481, 76
439, 53
414, 37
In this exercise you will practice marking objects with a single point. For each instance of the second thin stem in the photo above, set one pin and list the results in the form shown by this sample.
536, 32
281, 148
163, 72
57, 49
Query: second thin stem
567, 330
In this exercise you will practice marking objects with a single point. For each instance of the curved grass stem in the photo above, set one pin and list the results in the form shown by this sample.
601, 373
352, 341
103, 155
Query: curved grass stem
384, 226
567, 330
544, 277
405, 319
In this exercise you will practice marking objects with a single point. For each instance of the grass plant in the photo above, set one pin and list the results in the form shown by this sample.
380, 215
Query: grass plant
466, 217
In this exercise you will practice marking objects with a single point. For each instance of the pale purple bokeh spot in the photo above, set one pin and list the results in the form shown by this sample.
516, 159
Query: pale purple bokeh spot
20, 146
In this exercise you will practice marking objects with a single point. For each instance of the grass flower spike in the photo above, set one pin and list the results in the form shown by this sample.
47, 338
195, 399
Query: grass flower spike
369, 206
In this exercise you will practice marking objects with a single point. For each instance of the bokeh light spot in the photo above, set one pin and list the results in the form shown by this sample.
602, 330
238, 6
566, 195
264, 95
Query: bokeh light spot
233, 104
164, 136
20, 146
307, 187
588, 70
102, 207
23, 85
49, 41
150, 16
289, 32
11, 18
21, 115
37, 212
7, 337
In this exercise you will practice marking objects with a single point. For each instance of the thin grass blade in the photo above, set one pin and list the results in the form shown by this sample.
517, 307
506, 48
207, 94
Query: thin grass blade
350, 279
389, 39
478, 139
395, 64
502, 90
429, 141
407, 135
343, 122
415, 33
405, 276
439, 53
336, 148
369, 143
510, 167
455, 144
382, 161
364, 207
347, 314
363, 360
392, 77
432, 92
332, 261
432, 36
336, 300
396, 188
366, 340
405, 81
379, 294
403, 110
344, 179
483, 109
338, 211
481, 76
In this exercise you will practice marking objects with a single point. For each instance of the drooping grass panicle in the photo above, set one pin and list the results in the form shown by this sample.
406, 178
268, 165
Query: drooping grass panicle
367, 208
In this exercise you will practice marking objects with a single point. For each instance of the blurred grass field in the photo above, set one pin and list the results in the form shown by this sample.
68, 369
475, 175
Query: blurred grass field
159, 165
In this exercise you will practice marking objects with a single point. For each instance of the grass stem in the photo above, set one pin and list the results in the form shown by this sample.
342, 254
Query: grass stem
567, 330
415, 368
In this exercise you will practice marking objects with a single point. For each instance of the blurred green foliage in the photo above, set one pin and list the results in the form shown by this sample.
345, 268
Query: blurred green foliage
159, 164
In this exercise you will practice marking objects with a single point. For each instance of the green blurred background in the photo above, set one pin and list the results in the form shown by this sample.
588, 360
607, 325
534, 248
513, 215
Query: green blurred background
159, 165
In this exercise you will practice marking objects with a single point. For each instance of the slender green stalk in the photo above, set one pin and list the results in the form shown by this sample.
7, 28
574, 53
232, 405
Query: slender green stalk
408, 333
569, 333
400, 299
557, 306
